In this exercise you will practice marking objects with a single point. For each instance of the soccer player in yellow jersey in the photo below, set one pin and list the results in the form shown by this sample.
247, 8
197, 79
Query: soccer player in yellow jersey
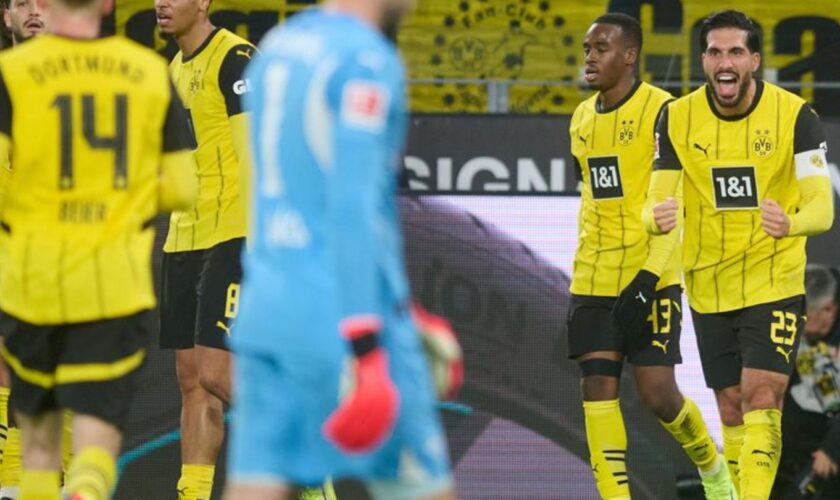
626, 284
752, 159
76, 235
201, 267
24, 19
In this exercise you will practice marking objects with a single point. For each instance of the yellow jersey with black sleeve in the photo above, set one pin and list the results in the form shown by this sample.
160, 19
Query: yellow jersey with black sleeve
210, 82
613, 150
96, 133
729, 165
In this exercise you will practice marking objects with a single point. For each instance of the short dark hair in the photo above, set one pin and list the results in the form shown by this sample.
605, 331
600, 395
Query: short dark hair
730, 19
631, 30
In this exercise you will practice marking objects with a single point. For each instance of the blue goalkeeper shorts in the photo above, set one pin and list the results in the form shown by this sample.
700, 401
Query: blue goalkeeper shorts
282, 398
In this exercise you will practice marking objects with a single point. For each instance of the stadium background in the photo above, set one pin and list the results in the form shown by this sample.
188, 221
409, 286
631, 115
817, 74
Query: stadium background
490, 212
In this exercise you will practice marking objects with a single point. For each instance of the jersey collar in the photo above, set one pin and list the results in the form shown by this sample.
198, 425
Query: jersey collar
759, 90
621, 102
203, 45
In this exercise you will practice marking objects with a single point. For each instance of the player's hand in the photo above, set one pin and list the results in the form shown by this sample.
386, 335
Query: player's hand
633, 306
774, 220
665, 215
366, 417
443, 352
823, 465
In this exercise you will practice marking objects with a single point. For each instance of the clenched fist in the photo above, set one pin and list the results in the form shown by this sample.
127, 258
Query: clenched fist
774, 220
665, 215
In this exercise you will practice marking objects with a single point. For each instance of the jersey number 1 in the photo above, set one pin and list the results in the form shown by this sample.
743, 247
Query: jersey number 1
117, 142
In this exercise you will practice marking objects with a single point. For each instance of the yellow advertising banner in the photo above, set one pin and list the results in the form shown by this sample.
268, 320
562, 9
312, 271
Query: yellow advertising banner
533, 47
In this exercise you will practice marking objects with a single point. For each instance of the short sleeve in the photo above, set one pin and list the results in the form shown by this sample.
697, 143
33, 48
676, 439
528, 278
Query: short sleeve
808, 133
665, 157
232, 81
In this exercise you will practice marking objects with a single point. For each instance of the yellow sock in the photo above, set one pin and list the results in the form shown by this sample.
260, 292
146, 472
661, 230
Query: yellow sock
40, 485
733, 440
607, 441
4, 419
92, 475
690, 431
11, 459
196, 482
760, 453
67, 442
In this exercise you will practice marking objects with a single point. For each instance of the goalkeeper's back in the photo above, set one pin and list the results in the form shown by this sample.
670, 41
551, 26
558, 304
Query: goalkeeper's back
328, 125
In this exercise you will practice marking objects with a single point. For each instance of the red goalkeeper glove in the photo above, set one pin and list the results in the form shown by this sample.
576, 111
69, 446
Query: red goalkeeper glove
366, 417
443, 352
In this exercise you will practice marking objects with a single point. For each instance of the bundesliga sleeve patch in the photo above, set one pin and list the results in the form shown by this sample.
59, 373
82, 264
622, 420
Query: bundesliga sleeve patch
364, 105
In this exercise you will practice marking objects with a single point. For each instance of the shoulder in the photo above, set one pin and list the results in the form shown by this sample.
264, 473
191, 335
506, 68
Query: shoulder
658, 96
587, 106
786, 100
231, 41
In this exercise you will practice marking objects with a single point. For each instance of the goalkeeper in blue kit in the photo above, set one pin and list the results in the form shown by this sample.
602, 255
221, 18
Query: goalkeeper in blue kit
325, 293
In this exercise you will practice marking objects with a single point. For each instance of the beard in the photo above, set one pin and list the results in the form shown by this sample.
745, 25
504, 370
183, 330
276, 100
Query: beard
743, 87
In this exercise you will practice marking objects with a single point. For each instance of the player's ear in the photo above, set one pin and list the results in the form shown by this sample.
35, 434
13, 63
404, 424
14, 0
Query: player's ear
631, 54
756, 61
204, 5
7, 18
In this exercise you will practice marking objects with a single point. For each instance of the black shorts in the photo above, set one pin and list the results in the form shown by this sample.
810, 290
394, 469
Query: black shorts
91, 368
590, 327
764, 336
200, 296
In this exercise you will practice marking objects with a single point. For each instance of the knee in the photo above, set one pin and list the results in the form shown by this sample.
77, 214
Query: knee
662, 398
600, 380
729, 406
216, 382
763, 398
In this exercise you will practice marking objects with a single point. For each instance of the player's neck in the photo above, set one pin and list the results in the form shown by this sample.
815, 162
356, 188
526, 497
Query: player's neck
365, 10
612, 96
75, 23
743, 106
193, 38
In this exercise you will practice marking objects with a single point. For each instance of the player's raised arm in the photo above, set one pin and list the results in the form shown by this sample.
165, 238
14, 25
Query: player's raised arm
815, 212
178, 179
659, 214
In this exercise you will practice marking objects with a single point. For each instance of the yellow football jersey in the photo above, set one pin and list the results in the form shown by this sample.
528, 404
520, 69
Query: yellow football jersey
211, 84
613, 149
90, 126
730, 165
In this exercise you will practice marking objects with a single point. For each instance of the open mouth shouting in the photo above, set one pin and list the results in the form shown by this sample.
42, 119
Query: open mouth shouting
726, 83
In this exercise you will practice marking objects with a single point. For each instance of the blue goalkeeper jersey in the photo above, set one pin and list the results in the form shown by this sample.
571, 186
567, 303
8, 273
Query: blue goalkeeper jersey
328, 126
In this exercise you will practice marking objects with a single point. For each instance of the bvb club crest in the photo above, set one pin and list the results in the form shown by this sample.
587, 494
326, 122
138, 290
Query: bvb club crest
195, 82
626, 133
762, 145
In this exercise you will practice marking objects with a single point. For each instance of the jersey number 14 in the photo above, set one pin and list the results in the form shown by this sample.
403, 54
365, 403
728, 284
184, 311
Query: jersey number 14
116, 142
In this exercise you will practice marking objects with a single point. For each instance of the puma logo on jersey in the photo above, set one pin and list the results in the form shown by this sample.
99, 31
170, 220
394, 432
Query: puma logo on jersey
244, 53
583, 138
641, 297
784, 353
704, 150
660, 345
224, 327
768, 454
